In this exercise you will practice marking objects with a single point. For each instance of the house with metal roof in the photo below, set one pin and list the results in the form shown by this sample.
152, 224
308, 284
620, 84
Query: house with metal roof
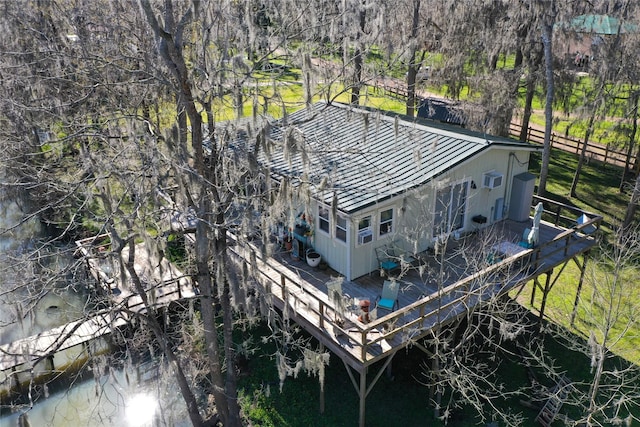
377, 179
581, 38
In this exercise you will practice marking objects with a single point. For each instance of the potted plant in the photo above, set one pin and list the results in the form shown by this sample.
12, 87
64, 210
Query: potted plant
287, 243
313, 258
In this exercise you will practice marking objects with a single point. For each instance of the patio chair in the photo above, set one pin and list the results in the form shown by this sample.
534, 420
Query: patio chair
388, 300
387, 261
527, 239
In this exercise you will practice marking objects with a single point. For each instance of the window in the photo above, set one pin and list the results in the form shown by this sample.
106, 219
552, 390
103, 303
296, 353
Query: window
365, 233
450, 209
386, 222
323, 218
341, 229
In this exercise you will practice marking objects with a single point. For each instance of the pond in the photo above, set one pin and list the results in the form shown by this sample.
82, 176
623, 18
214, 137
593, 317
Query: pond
127, 396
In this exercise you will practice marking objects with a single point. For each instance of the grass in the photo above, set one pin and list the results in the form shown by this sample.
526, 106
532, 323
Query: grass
299, 402
398, 401
289, 98
597, 192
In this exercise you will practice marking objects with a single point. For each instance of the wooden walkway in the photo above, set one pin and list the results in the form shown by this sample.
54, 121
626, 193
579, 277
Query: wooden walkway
32, 349
164, 285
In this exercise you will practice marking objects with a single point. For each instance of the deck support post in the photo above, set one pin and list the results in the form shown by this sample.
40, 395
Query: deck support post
321, 386
389, 370
362, 394
545, 292
434, 391
536, 284
361, 386
583, 268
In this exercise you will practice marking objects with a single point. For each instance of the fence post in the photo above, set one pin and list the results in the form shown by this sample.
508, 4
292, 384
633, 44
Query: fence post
606, 153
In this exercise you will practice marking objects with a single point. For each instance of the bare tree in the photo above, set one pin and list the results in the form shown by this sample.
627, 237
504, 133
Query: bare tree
604, 319
467, 355
547, 41
105, 90
606, 75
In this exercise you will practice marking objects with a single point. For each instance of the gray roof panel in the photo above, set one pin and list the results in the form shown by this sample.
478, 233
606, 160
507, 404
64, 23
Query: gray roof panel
367, 155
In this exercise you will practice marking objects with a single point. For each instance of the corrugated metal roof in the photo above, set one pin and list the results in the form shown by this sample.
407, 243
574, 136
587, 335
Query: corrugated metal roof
367, 156
601, 24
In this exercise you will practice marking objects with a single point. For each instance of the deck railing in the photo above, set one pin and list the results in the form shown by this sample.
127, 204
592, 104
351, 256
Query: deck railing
374, 340
474, 288
160, 290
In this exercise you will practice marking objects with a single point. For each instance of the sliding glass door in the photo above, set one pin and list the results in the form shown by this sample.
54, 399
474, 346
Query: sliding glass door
450, 209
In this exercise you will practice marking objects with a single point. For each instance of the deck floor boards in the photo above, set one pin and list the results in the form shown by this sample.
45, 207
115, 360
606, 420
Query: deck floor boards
418, 283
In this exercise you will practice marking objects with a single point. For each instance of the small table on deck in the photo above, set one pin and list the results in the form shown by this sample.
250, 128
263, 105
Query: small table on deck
507, 249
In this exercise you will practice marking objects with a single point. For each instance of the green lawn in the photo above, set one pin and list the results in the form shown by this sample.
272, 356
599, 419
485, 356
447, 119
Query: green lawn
401, 401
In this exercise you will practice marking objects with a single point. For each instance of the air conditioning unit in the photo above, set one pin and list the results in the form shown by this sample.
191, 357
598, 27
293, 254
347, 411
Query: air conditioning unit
491, 180
365, 236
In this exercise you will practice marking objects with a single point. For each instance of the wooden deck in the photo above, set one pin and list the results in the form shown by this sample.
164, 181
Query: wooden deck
435, 289
32, 349
163, 286
467, 279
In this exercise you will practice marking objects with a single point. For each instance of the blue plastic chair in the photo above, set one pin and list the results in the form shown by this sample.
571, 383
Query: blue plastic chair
527, 239
388, 300
387, 261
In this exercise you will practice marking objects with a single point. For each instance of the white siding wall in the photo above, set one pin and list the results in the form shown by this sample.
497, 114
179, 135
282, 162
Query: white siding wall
333, 251
482, 201
413, 214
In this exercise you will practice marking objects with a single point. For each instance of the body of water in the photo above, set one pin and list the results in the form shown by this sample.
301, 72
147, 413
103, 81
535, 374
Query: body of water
123, 397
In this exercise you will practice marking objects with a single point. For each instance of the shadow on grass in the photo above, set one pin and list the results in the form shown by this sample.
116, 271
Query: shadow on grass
403, 400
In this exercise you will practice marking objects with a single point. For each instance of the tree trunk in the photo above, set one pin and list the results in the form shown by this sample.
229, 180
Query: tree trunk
548, 108
583, 153
633, 203
171, 51
531, 90
526, 115
412, 70
156, 328
207, 301
231, 392
358, 59
632, 142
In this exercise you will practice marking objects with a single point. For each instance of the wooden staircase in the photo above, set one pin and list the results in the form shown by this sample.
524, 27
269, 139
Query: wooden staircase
553, 404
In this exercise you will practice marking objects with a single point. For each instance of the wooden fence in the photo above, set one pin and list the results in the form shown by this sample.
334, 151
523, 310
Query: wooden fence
595, 151
600, 152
